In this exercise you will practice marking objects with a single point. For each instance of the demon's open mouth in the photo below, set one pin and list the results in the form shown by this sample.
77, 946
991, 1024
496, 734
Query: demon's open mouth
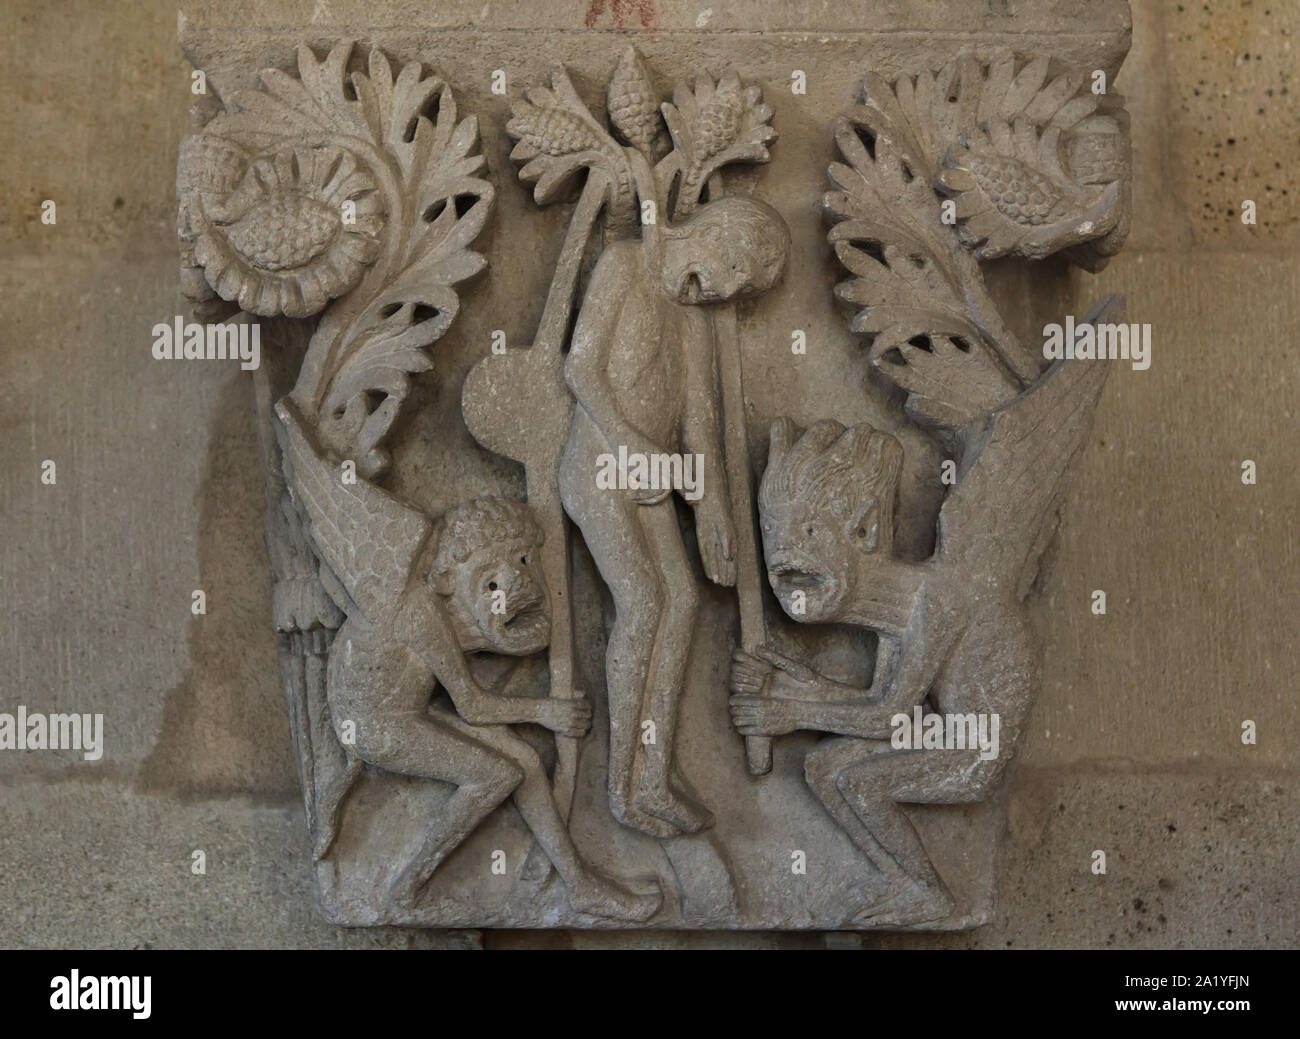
691, 289
795, 574
525, 615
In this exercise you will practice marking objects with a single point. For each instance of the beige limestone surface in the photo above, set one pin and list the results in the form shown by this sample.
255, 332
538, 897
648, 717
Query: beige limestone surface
1135, 742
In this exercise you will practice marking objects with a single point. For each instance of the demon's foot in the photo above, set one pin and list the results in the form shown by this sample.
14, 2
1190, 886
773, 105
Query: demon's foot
686, 815
919, 904
404, 891
597, 896
537, 867
636, 819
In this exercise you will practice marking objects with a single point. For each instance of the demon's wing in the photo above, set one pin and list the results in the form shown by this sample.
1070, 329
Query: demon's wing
1001, 514
367, 538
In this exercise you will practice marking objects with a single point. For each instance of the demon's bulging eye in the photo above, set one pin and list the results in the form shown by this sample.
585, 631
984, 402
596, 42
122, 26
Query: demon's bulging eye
523, 560
492, 586
868, 529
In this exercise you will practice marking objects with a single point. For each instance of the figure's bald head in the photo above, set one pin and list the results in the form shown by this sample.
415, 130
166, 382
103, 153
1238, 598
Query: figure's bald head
732, 248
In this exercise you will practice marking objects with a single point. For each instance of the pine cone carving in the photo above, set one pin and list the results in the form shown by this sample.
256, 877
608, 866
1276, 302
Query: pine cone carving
1016, 190
633, 105
279, 242
285, 232
717, 124
555, 131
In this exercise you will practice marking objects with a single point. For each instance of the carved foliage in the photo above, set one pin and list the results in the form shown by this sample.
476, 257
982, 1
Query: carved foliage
340, 184
1037, 161
1033, 168
557, 135
708, 125
713, 124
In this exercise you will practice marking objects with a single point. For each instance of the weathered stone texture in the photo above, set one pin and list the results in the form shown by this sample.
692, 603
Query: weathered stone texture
159, 491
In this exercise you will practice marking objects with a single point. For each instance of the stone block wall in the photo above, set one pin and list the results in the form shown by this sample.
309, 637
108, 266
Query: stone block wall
1135, 745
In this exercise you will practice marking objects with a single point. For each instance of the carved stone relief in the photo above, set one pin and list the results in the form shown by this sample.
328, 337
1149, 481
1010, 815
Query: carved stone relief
636, 675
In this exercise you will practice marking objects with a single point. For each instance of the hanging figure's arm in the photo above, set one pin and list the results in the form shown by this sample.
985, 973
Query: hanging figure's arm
702, 438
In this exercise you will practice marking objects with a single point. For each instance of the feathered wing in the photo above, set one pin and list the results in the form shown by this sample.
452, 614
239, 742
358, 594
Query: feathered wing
367, 538
999, 517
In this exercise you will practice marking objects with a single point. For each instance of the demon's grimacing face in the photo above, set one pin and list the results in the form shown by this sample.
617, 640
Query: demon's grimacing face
498, 598
826, 505
809, 562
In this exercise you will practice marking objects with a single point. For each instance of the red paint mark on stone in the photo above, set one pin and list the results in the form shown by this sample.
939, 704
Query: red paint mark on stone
623, 12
